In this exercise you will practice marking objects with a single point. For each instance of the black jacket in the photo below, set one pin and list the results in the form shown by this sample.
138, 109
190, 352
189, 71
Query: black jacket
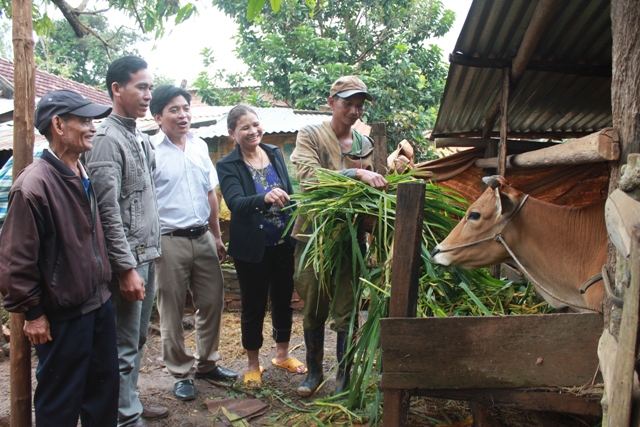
53, 257
247, 238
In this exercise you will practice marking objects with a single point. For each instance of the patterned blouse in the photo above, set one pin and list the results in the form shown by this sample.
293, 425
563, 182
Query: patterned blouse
274, 220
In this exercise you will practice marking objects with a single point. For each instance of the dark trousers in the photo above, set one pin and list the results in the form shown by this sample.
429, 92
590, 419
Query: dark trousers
270, 278
78, 372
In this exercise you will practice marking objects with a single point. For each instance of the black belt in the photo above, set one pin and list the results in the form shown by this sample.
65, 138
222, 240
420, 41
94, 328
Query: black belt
192, 233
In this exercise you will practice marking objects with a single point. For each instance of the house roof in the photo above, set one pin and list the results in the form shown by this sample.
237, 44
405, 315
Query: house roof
273, 120
46, 82
565, 90
201, 115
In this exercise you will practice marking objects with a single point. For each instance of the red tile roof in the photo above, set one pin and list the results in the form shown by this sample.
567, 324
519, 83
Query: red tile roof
46, 82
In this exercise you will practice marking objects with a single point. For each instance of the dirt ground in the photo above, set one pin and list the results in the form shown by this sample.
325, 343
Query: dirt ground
282, 407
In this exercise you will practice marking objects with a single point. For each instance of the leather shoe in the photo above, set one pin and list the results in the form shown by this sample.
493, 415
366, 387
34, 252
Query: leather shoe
218, 374
154, 412
140, 423
184, 390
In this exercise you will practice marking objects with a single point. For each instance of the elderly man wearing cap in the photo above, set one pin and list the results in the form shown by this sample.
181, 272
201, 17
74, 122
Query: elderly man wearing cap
54, 268
333, 145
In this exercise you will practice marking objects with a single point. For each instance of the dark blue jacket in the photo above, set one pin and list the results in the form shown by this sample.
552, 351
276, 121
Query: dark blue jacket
247, 238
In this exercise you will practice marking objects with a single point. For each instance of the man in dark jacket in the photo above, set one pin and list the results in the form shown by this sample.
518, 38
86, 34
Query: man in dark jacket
54, 268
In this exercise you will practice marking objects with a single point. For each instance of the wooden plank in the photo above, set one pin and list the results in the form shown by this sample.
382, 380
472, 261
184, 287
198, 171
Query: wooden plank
406, 251
602, 146
619, 413
404, 278
532, 400
591, 70
512, 134
514, 144
380, 151
550, 350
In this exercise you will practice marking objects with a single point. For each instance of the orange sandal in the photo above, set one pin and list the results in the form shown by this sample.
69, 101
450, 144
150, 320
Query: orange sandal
292, 365
253, 379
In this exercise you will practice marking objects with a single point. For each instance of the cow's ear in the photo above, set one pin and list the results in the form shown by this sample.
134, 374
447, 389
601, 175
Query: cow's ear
493, 181
508, 203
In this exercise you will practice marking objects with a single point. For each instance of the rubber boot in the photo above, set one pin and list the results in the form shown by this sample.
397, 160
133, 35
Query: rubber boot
314, 341
344, 363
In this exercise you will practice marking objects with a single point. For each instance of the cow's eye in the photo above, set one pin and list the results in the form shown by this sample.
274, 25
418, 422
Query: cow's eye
473, 216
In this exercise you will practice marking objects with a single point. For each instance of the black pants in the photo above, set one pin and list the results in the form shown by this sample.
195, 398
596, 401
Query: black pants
78, 372
272, 277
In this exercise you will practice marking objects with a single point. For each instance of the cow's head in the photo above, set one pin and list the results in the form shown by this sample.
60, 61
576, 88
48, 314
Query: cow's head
470, 245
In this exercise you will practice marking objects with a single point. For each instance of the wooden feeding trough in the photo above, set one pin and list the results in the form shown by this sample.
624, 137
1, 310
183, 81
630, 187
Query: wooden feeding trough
535, 362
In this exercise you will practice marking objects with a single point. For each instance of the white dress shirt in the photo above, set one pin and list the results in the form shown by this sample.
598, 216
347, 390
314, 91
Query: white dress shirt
183, 181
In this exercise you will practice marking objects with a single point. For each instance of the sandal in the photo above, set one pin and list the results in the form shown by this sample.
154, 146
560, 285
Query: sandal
253, 379
292, 365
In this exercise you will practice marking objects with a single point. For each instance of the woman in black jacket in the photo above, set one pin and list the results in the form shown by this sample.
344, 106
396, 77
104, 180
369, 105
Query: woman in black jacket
256, 186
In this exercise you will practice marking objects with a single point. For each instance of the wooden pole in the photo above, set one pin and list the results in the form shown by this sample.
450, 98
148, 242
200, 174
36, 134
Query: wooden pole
380, 151
619, 413
504, 125
404, 282
537, 26
23, 138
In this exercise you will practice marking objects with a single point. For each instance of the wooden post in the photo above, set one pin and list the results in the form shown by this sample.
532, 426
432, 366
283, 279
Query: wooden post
404, 283
23, 138
619, 413
544, 12
380, 151
504, 125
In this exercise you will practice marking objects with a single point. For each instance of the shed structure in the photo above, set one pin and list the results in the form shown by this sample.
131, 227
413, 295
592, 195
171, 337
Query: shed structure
524, 75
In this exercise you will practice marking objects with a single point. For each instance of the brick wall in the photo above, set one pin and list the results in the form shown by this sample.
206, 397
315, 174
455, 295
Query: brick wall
232, 292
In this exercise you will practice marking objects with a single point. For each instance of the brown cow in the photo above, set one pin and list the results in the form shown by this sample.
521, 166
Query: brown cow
557, 247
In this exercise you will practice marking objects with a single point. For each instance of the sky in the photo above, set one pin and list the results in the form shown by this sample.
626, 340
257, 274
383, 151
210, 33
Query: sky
215, 30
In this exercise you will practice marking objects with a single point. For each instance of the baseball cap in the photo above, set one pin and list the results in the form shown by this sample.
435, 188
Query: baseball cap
59, 102
347, 86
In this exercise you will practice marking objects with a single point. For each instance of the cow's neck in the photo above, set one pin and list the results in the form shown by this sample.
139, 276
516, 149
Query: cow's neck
549, 241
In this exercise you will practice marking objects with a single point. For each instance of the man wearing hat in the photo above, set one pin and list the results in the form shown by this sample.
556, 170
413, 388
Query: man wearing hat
333, 145
54, 268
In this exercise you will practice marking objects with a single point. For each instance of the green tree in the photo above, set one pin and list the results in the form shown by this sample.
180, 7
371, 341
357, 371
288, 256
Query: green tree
297, 52
150, 16
83, 59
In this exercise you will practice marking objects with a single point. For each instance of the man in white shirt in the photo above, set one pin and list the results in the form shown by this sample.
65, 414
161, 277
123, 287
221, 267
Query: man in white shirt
188, 207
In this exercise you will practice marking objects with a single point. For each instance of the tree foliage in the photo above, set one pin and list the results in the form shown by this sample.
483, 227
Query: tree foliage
150, 16
83, 59
299, 51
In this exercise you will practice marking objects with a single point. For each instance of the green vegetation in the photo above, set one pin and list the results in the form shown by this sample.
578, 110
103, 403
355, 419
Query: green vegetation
84, 59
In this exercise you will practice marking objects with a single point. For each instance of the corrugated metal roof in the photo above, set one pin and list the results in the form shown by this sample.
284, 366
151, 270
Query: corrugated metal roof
200, 116
273, 120
6, 136
577, 38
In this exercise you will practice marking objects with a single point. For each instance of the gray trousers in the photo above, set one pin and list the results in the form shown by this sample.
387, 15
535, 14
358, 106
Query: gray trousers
190, 265
132, 325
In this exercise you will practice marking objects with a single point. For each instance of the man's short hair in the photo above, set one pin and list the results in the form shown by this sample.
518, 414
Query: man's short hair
162, 95
121, 69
